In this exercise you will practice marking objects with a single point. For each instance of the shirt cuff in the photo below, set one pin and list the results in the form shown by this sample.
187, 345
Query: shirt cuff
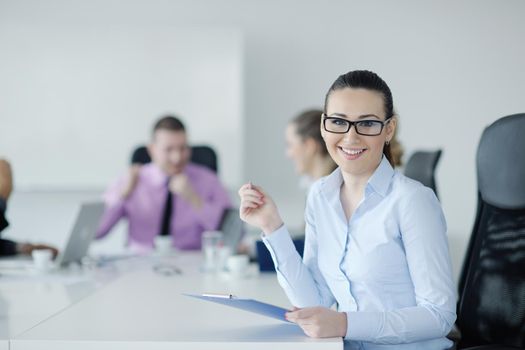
280, 245
3, 205
7, 247
3, 220
363, 326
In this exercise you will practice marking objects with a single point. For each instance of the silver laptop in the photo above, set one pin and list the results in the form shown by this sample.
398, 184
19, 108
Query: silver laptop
82, 234
232, 228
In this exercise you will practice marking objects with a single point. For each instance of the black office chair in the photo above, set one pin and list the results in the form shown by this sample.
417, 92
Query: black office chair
421, 166
491, 307
202, 154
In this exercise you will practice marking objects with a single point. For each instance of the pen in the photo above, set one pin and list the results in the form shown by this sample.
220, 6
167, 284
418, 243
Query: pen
225, 296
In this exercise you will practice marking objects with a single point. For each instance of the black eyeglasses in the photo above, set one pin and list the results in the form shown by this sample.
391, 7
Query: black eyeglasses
364, 127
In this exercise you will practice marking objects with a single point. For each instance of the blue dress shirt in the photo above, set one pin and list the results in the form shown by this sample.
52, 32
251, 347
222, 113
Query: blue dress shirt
388, 267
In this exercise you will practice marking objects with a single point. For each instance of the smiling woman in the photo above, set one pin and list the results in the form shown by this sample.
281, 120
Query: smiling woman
367, 99
375, 242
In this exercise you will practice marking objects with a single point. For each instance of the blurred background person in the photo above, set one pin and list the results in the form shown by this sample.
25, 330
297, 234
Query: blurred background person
306, 148
8, 247
168, 197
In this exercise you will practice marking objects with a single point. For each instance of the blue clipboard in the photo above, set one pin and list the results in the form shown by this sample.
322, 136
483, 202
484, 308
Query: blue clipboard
250, 305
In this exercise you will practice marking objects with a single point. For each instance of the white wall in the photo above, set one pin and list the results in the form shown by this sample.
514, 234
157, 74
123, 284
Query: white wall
453, 66
78, 98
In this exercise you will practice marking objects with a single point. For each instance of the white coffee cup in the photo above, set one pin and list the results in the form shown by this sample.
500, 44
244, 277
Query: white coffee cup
42, 259
238, 265
163, 245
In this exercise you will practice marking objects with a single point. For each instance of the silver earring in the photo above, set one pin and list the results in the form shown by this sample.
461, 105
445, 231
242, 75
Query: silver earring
387, 143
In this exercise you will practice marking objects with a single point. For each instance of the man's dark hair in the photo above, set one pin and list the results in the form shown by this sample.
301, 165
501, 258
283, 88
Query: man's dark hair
170, 123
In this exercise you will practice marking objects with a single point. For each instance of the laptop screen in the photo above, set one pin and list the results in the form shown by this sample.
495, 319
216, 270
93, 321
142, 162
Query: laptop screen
82, 233
232, 228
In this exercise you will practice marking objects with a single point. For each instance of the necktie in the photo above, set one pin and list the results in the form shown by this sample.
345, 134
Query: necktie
166, 217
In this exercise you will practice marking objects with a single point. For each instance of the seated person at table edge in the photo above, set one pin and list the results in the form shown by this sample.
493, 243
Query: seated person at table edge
168, 196
8, 247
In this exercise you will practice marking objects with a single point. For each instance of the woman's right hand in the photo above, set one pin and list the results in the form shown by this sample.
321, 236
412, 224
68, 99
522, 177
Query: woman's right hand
258, 209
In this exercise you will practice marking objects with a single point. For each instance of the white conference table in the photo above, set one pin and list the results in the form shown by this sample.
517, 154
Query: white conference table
139, 307
28, 298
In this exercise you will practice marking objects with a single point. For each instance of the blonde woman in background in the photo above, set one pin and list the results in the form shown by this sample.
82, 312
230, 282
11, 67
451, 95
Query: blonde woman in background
306, 148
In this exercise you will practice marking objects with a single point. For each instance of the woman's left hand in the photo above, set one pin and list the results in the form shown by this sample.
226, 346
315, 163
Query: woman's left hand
319, 322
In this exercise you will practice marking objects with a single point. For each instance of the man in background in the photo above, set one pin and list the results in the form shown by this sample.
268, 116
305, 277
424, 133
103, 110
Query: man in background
8, 247
168, 197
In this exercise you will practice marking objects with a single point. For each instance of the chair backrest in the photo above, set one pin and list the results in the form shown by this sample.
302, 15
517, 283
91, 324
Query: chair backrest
421, 166
204, 155
491, 307
200, 154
